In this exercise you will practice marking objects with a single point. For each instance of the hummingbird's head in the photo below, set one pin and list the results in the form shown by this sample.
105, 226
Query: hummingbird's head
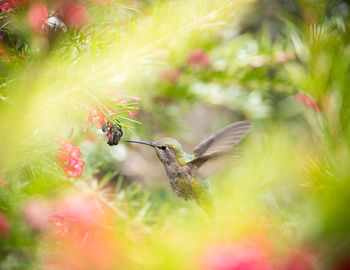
168, 150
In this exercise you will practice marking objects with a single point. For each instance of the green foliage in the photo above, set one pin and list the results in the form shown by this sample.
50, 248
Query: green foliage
197, 66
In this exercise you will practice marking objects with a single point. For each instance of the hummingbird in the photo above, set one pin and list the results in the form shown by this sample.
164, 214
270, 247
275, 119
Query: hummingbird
184, 169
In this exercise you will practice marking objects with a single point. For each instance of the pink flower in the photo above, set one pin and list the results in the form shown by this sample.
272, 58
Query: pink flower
37, 16
307, 101
86, 235
69, 159
72, 214
60, 225
4, 225
75, 14
95, 117
235, 256
8, 7
171, 75
199, 58
36, 213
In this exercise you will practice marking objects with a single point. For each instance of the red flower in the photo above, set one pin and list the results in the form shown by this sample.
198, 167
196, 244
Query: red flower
69, 159
36, 213
75, 14
74, 216
9, 5
199, 58
37, 16
95, 117
4, 225
300, 260
307, 101
83, 227
240, 256
60, 225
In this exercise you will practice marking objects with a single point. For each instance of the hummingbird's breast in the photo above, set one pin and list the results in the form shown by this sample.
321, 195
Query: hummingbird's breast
182, 187
181, 182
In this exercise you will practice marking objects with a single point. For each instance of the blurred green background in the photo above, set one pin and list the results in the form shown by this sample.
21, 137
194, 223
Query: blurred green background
182, 69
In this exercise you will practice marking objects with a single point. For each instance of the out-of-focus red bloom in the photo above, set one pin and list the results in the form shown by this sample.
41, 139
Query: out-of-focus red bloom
171, 75
18, 2
60, 225
3, 183
69, 159
95, 117
75, 14
4, 225
73, 213
82, 225
10, 5
199, 58
235, 256
37, 16
37, 213
299, 260
307, 101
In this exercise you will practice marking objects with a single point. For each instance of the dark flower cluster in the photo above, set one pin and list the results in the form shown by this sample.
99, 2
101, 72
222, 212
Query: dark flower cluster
114, 132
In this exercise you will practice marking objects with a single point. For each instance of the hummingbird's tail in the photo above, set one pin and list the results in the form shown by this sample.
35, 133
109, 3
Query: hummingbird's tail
204, 197
207, 204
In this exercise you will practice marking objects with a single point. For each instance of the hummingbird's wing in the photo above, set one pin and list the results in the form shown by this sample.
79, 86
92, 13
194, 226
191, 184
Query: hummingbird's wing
220, 143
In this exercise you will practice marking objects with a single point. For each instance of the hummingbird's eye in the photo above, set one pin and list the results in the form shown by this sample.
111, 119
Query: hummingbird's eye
162, 147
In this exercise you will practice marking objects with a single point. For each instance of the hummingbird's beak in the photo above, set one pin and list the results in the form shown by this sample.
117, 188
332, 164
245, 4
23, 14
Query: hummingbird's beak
141, 142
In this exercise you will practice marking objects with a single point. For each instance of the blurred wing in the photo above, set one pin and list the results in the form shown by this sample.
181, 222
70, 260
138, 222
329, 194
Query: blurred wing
205, 167
223, 140
221, 143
